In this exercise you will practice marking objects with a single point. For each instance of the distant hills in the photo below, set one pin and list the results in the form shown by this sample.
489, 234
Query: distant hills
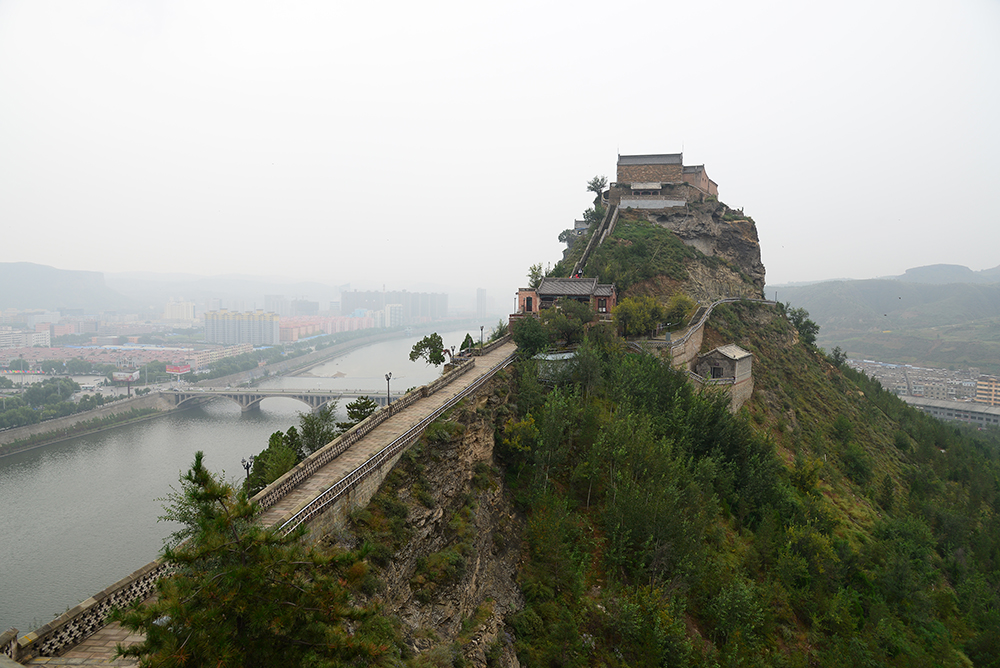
25, 285
942, 274
938, 315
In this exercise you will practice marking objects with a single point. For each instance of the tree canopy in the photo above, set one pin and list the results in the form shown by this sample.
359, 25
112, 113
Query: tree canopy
635, 316
243, 595
430, 349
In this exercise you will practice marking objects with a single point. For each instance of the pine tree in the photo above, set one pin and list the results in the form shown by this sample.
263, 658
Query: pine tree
242, 594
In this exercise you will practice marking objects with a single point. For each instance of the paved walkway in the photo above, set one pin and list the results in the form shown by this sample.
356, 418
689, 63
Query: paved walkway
99, 648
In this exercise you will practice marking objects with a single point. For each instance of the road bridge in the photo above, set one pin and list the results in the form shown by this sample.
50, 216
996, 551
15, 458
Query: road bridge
320, 490
250, 399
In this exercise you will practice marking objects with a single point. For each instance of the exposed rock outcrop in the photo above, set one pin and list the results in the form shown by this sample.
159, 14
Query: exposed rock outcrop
717, 231
457, 513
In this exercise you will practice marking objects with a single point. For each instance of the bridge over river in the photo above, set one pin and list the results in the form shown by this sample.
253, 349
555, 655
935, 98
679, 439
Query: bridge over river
250, 399
320, 490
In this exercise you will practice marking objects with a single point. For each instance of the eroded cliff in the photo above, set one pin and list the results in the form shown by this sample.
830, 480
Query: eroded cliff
717, 231
446, 541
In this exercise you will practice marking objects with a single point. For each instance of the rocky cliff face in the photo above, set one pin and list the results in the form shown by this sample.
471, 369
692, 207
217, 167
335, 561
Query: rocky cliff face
717, 231
450, 580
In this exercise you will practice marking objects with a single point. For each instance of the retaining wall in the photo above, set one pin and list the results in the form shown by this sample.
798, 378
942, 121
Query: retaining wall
331, 509
154, 400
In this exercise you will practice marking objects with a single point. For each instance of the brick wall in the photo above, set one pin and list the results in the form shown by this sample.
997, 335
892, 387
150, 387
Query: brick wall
650, 173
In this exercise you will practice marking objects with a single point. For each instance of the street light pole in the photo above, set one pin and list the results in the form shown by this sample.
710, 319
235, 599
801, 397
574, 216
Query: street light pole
247, 464
387, 399
481, 335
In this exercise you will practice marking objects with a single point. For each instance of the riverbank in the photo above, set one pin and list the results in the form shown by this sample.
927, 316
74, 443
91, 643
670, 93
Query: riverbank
113, 415
158, 404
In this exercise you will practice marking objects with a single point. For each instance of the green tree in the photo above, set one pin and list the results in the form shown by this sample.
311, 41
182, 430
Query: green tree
242, 594
635, 316
597, 185
678, 308
838, 356
568, 319
806, 327
499, 331
565, 236
357, 410
52, 366
430, 349
594, 215
530, 337
78, 366
468, 343
535, 276
318, 428
271, 463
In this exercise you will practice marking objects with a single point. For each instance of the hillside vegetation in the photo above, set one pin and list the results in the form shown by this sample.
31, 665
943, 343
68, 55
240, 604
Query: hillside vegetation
826, 524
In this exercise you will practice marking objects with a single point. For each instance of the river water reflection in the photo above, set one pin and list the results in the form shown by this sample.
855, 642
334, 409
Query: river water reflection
79, 515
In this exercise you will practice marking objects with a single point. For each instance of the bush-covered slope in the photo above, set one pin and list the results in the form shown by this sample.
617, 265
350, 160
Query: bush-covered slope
825, 525
640, 254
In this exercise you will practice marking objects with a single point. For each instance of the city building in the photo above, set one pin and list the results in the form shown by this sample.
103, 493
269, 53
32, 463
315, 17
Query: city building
258, 328
417, 306
175, 310
393, 315
204, 358
971, 412
19, 338
988, 390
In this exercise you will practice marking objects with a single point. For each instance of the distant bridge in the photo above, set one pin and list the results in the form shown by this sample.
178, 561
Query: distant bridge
250, 399
320, 490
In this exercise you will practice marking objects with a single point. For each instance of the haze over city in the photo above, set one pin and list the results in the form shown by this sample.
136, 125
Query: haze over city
449, 143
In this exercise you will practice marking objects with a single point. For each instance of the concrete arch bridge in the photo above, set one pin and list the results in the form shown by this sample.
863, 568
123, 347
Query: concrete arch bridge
250, 399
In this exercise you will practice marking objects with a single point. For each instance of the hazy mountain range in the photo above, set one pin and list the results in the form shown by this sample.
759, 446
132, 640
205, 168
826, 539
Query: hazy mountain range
939, 315
24, 285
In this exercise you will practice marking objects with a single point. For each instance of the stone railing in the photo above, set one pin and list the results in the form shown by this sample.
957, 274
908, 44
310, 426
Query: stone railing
386, 454
8, 644
317, 460
84, 619
597, 236
490, 347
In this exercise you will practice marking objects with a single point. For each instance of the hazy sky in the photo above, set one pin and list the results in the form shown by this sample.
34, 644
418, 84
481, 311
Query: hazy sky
450, 142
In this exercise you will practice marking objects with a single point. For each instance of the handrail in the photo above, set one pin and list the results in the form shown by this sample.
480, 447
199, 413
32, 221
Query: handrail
596, 237
348, 482
82, 620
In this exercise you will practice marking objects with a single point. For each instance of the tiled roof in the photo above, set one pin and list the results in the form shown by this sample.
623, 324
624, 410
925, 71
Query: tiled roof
604, 290
653, 159
577, 287
733, 351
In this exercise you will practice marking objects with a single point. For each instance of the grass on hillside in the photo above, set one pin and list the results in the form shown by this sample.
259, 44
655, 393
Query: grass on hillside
822, 526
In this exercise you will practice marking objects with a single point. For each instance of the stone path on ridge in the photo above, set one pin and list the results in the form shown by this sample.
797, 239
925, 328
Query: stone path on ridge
99, 649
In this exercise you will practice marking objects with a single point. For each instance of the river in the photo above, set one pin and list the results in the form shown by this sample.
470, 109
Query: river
81, 514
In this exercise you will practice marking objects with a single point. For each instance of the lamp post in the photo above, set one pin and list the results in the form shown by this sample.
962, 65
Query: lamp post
387, 377
247, 464
481, 335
